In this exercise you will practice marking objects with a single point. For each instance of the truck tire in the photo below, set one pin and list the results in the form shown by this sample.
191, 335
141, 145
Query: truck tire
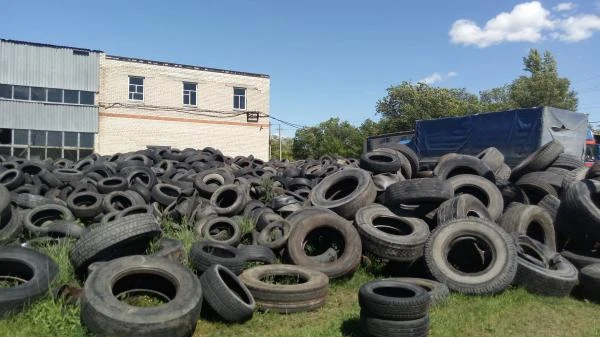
393, 300
543, 271
378, 161
538, 160
227, 295
482, 189
35, 272
449, 166
121, 237
532, 221
461, 207
285, 298
105, 315
492, 157
390, 236
377, 327
344, 192
37, 219
204, 254
452, 250
589, 282
438, 292
417, 191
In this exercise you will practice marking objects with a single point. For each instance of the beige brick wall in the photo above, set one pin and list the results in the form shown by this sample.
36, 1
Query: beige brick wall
126, 125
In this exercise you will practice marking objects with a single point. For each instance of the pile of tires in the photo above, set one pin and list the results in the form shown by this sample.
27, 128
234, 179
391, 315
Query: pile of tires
477, 226
393, 308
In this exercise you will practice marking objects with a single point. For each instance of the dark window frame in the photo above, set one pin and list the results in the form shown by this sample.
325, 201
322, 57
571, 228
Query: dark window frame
190, 94
138, 89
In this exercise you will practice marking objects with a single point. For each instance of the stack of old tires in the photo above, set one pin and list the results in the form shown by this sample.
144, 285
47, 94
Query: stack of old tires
393, 308
475, 225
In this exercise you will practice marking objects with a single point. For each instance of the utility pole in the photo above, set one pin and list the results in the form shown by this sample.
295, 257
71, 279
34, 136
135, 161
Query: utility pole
279, 141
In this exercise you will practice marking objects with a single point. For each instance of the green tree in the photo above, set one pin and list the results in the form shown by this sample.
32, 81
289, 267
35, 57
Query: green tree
331, 137
543, 86
286, 148
407, 103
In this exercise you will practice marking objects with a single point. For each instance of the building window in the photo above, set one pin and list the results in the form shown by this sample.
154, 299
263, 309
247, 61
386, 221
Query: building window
136, 88
5, 91
55, 95
86, 97
189, 93
40, 144
239, 98
38, 94
21, 92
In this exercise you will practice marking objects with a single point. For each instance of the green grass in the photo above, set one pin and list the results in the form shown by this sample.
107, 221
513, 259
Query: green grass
512, 313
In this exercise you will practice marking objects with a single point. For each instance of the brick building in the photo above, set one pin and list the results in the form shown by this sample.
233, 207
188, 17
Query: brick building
156, 103
58, 101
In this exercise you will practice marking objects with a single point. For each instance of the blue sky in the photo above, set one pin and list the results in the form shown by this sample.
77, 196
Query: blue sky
334, 58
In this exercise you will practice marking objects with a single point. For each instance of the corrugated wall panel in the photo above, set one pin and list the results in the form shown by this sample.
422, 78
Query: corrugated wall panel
41, 116
50, 67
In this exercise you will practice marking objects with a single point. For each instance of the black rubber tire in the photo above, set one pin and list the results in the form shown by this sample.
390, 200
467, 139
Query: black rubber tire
110, 184
494, 278
227, 295
438, 292
165, 194
346, 263
581, 258
67, 175
377, 327
455, 164
287, 298
482, 189
589, 282
257, 253
212, 229
105, 315
539, 184
530, 220
125, 236
417, 191
492, 157
410, 155
579, 214
204, 254
461, 207
66, 228
85, 205
12, 178
28, 200
568, 161
120, 200
551, 204
208, 181
11, 225
344, 192
538, 160
390, 236
34, 269
378, 161
229, 200
36, 220
275, 243
557, 278
503, 173
393, 300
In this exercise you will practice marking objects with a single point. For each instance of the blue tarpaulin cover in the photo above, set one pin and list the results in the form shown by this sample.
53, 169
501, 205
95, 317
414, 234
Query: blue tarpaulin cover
516, 133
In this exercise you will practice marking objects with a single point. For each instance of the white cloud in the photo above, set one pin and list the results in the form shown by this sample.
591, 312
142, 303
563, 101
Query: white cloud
437, 77
527, 22
564, 7
524, 23
578, 28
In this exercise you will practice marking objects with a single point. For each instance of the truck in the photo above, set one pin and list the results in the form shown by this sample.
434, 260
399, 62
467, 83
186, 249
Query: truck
516, 133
